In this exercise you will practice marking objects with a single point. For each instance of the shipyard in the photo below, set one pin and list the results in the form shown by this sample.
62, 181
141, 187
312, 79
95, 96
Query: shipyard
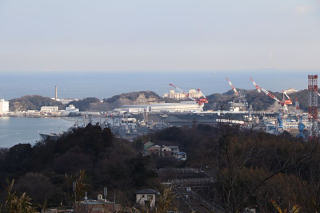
182, 108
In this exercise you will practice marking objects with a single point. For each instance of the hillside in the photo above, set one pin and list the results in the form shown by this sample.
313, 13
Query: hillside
259, 101
32, 102
251, 169
47, 170
132, 98
86, 104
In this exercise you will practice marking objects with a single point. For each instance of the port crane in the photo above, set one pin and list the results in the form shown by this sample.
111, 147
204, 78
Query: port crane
239, 97
233, 88
200, 101
179, 89
259, 89
286, 100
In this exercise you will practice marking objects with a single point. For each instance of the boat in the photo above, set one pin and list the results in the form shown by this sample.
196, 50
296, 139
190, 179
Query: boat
50, 136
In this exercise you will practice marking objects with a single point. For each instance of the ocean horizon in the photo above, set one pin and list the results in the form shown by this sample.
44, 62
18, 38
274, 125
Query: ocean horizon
106, 84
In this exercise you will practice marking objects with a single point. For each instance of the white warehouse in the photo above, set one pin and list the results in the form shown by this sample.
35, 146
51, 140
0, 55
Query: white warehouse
185, 106
4, 106
49, 109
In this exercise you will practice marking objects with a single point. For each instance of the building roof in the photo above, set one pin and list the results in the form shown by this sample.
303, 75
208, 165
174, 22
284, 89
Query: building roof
148, 145
147, 191
174, 147
95, 202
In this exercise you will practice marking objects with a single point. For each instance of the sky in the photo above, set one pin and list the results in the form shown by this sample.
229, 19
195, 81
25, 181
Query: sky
159, 35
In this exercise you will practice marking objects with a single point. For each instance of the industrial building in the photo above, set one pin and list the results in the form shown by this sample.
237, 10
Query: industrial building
4, 106
193, 93
49, 109
185, 106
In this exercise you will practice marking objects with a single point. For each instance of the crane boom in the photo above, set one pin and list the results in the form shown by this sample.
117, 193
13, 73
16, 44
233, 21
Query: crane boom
265, 91
288, 101
233, 88
177, 88
256, 85
200, 101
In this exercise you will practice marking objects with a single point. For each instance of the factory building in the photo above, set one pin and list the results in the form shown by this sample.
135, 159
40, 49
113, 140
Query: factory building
193, 93
185, 106
4, 106
49, 109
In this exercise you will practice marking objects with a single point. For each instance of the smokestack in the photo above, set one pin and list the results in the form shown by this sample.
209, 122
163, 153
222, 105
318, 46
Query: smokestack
55, 93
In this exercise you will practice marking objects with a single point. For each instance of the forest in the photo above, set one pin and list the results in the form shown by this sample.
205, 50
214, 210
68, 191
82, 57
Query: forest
47, 170
251, 169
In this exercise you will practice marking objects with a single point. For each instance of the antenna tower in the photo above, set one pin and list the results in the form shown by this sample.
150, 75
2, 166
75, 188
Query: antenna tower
313, 104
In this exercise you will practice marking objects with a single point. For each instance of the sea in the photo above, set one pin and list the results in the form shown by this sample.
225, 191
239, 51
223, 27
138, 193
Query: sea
15, 130
107, 84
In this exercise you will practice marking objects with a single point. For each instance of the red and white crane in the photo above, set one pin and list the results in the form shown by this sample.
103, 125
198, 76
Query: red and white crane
285, 101
259, 89
178, 88
256, 85
233, 88
200, 101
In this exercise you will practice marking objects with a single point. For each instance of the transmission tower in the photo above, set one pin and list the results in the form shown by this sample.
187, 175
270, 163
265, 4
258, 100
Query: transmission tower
313, 104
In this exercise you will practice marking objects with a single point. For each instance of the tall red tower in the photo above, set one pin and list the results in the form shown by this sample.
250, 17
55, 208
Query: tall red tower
313, 104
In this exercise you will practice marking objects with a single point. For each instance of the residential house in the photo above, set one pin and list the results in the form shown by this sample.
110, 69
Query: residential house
146, 197
96, 206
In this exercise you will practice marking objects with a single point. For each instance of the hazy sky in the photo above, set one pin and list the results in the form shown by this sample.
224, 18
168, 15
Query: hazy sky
155, 35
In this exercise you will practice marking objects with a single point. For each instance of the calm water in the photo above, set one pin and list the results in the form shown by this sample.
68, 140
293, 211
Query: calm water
105, 85
26, 130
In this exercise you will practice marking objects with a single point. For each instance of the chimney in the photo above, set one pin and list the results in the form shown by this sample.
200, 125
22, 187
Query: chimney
55, 93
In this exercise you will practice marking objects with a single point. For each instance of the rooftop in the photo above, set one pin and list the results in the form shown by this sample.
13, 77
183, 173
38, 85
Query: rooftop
147, 191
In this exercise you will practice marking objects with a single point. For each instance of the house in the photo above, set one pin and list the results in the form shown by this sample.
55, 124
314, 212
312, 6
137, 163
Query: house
174, 149
146, 147
96, 206
164, 151
156, 150
57, 210
180, 156
146, 197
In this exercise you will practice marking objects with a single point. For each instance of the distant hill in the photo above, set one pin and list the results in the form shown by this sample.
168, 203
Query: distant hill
86, 104
259, 101
32, 102
131, 98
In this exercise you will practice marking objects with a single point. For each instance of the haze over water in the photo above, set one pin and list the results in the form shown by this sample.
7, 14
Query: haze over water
104, 84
